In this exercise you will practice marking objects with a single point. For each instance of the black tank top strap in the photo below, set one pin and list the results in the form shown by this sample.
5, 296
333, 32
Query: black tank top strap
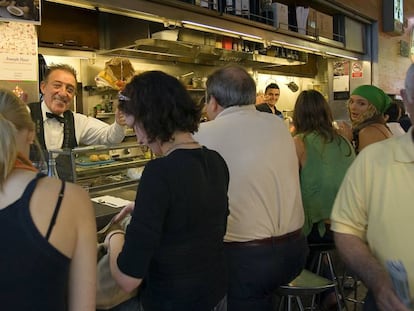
27, 193
56, 211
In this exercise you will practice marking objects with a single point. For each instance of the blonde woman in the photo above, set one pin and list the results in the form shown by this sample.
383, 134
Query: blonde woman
48, 256
366, 108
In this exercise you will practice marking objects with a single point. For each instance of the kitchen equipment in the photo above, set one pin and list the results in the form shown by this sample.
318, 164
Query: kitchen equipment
199, 82
293, 86
185, 78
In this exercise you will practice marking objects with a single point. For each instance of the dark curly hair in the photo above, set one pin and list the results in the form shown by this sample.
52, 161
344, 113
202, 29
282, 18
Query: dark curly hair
161, 104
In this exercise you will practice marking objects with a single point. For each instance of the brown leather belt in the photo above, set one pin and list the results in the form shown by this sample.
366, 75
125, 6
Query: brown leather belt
269, 241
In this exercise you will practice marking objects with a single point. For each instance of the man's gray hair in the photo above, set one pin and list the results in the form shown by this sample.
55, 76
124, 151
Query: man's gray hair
231, 86
64, 67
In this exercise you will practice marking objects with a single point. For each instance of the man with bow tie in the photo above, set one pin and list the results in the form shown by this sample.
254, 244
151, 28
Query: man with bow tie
57, 126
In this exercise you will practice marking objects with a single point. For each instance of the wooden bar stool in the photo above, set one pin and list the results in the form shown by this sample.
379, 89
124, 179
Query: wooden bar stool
305, 284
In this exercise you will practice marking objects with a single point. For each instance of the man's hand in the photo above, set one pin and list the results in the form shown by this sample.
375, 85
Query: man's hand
119, 117
387, 299
344, 129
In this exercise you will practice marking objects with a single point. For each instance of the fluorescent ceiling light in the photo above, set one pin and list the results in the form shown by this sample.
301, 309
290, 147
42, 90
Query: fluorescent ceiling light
296, 46
135, 14
199, 26
341, 55
73, 3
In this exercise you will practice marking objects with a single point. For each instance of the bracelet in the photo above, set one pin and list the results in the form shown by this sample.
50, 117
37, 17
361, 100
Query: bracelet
112, 233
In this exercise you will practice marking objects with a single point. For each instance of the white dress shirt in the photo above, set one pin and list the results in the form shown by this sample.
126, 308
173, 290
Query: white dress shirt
88, 130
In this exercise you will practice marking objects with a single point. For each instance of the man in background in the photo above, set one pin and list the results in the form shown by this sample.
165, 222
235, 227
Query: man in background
393, 115
264, 243
272, 93
372, 217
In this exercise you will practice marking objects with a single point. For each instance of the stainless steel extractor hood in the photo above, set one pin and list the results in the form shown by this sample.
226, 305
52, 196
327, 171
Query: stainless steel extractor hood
188, 52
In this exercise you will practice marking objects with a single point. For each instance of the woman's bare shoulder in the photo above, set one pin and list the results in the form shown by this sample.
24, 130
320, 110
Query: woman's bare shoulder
300, 149
373, 133
76, 198
376, 130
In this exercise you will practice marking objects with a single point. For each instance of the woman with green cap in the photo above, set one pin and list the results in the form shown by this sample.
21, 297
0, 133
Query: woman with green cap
366, 108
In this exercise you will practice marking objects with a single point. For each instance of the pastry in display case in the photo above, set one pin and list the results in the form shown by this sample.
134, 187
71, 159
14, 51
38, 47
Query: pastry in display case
101, 167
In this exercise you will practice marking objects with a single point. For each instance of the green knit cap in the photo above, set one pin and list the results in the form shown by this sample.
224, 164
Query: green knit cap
375, 96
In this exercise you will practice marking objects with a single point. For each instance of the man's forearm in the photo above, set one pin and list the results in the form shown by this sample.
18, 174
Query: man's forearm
357, 257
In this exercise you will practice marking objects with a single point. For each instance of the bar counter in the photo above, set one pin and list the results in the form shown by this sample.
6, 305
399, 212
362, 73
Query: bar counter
103, 212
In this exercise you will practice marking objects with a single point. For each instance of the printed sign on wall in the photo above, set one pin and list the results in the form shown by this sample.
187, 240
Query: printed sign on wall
18, 52
357, 71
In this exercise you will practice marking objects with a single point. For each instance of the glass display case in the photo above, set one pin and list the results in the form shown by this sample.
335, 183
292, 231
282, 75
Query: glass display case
101, 167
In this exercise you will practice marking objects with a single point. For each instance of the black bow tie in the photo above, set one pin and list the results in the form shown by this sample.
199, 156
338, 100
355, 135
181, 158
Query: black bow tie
55, 116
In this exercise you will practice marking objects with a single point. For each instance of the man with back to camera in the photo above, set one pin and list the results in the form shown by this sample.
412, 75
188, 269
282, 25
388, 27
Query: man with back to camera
58, 127
372, 215
272, 93
264, 243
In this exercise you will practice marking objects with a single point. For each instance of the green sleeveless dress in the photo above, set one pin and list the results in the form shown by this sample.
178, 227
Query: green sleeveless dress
321, 176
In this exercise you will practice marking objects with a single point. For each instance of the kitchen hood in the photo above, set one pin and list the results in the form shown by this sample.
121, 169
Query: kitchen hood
189, 52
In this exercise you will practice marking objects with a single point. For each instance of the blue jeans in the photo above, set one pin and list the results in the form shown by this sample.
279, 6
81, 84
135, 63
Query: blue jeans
255, 272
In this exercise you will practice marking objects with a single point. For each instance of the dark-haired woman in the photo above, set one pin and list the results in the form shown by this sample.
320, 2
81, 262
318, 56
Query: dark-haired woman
324, 157
174, 243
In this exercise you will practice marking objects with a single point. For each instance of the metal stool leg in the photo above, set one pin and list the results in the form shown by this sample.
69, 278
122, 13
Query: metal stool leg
338, 288
289, 303
282, 303
354, 299
299, 302
290, 300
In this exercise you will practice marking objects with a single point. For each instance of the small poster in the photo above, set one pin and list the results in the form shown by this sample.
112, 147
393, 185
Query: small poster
18, 52
357, 70
341, 76
22, 11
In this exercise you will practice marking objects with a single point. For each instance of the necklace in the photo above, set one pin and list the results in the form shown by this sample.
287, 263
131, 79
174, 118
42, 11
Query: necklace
178, 145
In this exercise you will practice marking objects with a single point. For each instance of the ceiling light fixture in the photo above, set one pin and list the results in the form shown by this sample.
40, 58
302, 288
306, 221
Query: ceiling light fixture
203, 27
135, 14
342, 56
305, 48
74, 3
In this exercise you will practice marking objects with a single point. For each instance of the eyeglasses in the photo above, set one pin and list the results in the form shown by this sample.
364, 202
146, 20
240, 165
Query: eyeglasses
123, 97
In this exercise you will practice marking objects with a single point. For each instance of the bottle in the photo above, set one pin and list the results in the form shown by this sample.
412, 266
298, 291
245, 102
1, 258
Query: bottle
229, 7
255, 10
267, 12
52, 171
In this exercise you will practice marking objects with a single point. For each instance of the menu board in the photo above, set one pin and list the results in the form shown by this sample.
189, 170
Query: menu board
18, 52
